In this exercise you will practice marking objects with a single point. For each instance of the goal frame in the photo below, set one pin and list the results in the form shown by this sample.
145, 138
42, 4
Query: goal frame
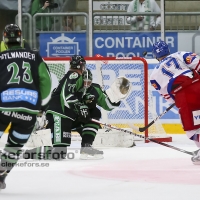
146, 89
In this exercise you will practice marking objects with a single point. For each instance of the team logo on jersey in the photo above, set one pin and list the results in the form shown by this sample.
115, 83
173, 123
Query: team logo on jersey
19, 94
73, 75
155, 84
190, 58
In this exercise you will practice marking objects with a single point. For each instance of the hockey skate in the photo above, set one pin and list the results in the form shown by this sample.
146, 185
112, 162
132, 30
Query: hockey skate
89, 153
196, 158
3, 174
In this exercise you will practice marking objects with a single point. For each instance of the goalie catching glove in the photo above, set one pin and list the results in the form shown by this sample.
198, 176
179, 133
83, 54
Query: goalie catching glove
119, 90
83, 112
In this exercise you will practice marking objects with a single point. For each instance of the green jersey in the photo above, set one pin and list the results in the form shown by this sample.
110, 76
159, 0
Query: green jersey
25, 81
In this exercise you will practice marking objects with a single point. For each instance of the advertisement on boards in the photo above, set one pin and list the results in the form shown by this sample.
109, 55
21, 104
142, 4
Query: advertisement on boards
118, 44
129, 44
109, 44
62, 45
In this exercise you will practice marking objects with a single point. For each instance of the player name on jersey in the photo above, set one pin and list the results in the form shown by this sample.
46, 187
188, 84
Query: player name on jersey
15, 54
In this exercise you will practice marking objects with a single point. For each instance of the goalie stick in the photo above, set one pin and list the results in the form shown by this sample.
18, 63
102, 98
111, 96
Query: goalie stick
142, 129
146, 138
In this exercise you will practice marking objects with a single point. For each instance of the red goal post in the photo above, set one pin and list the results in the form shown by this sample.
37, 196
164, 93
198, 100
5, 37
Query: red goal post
135, 109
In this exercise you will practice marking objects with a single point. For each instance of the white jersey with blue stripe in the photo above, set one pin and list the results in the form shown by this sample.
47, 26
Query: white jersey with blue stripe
164, 74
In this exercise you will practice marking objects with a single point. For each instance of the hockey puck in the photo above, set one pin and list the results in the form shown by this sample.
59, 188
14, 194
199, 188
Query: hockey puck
144, 53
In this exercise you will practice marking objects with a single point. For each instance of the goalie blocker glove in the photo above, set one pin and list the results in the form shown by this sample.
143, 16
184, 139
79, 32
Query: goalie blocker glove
83, 112
119, 90
90, 100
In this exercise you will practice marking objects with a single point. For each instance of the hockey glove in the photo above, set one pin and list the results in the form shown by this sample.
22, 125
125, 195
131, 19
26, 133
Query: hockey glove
41, 121
119, 90
89, 100
82, 112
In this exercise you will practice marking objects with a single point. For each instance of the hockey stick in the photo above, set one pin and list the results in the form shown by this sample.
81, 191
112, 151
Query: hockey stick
146, 138
144, 54
142, 129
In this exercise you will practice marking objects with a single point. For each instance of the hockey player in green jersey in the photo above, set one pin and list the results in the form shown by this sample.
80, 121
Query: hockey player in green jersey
80, 99
68, 107
25, 89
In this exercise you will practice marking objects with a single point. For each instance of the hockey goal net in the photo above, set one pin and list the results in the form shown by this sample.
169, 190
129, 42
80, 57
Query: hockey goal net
138, 108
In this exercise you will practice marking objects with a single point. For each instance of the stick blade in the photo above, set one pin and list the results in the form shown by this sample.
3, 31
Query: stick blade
135, 128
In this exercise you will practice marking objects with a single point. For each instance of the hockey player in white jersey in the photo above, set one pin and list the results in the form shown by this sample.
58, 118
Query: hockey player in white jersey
177, 79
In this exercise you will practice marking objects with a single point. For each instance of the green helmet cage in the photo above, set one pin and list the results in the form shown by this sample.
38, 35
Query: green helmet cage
87, 78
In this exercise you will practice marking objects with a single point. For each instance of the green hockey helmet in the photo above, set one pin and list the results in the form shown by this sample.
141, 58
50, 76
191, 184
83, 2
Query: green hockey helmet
77, 62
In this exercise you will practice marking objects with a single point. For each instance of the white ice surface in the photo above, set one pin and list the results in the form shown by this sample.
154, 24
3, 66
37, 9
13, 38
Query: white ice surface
146, 172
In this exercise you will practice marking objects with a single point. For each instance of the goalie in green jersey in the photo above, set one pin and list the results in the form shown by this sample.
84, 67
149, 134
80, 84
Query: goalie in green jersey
73, 103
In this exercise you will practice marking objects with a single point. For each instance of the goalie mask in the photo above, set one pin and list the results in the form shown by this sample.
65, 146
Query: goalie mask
87, 78
12, 34
77, 62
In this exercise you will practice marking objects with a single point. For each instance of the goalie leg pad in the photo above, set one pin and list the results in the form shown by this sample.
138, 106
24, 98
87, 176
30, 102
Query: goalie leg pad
113, 138
39, 138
